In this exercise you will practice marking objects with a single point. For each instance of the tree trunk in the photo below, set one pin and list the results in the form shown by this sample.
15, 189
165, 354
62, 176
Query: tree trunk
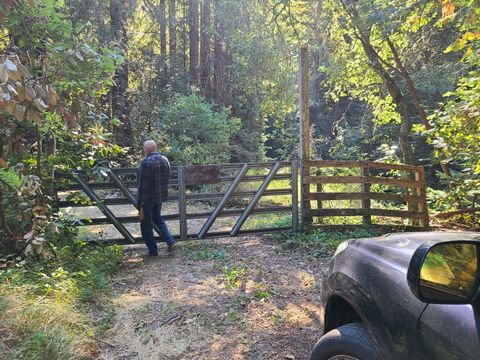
416, 99
317, 55
3, 217
220, 59
392, 87
163, 30
184, 38
205, 62
163, 43
172, 28
193, 38
119, 93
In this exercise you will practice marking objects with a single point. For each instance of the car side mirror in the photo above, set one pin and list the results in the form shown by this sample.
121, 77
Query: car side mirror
445, 272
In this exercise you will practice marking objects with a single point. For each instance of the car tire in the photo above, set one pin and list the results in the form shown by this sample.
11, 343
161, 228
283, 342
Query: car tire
352, 341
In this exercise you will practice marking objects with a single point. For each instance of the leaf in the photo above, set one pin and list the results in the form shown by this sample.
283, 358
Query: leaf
30, 94
448, 8
20, 91
40, 91
40, 104
3, 164
22, 69
10, 105
13, 74
54, 96
32, 115
19, 112
12, 89
10, 65
79, 56
3, 73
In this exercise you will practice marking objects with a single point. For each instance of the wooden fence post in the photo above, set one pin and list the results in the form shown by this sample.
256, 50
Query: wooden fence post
294, 180
303, 86
182, 203
366, 202
422, 204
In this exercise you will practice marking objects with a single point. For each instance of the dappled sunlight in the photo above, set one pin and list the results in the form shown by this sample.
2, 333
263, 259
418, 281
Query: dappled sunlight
261, 311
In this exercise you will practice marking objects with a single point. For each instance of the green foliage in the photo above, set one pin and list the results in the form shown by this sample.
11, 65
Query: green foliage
232, 275
10, 178
323, 243
193, 132
42, 300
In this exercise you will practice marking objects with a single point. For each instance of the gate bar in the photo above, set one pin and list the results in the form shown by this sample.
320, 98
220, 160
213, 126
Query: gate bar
128, 194
103, 208
255, 199
182, 203
233, 186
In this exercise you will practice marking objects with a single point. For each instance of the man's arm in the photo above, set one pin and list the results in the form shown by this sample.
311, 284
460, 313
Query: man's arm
144, 179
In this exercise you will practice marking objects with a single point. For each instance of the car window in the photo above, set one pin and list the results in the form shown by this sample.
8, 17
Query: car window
451, 269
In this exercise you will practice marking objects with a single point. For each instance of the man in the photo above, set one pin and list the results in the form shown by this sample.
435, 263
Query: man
153, 177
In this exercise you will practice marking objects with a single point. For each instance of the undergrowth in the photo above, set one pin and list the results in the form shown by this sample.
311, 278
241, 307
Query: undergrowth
44, 305
321, 243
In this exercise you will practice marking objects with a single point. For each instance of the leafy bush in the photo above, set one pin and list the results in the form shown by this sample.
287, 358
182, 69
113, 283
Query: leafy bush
191, 131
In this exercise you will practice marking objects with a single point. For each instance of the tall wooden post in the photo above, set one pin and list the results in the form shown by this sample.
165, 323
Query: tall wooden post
366, 202
305, 154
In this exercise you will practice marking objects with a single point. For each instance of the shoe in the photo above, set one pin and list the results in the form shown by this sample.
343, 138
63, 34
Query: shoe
151, 254
172, 247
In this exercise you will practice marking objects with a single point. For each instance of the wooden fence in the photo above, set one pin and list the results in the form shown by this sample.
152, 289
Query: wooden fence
375, 191
396, 185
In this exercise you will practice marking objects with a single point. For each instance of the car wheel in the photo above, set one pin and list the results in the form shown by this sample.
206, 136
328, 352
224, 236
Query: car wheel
347, 342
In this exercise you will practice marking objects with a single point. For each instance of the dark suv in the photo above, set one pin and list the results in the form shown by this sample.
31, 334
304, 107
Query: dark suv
403, 296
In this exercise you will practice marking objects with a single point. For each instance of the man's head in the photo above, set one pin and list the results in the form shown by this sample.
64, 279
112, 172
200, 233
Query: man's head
149, 147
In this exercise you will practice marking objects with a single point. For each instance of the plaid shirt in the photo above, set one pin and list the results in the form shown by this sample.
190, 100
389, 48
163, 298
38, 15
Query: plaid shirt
153, 177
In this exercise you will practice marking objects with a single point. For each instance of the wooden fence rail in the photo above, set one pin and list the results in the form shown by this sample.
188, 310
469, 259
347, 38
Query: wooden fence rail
408, 181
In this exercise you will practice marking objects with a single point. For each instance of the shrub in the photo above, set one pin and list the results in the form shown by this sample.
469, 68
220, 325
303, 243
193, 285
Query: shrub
192, 132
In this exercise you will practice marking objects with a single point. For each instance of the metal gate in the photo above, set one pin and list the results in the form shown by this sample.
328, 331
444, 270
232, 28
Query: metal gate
369, 194
232, 190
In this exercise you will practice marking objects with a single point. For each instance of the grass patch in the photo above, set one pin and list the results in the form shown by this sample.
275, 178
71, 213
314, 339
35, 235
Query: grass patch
268, 220
44, 304
212, 253
322, 243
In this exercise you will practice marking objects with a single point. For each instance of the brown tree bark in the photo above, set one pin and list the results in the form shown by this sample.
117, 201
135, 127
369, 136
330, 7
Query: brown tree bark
163, 30
172, 28
193, 40
220, 60
119, 93
416, 98
205, 62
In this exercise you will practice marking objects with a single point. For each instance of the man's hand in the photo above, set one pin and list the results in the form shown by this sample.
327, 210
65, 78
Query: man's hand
140, 214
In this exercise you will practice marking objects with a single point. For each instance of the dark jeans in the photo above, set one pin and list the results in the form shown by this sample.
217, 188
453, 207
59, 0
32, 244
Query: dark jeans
152, 216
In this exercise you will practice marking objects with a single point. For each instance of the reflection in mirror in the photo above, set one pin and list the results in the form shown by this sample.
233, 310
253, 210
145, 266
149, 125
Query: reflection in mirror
449, 272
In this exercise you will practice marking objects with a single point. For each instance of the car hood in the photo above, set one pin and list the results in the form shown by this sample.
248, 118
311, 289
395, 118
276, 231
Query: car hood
396, 250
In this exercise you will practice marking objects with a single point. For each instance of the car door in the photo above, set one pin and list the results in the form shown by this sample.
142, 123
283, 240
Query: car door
448, 332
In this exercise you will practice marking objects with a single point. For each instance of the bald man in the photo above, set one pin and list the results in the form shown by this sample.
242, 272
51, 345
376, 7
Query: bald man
153, 177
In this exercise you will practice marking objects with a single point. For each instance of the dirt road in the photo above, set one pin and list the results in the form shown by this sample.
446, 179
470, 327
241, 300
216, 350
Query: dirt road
243, 298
